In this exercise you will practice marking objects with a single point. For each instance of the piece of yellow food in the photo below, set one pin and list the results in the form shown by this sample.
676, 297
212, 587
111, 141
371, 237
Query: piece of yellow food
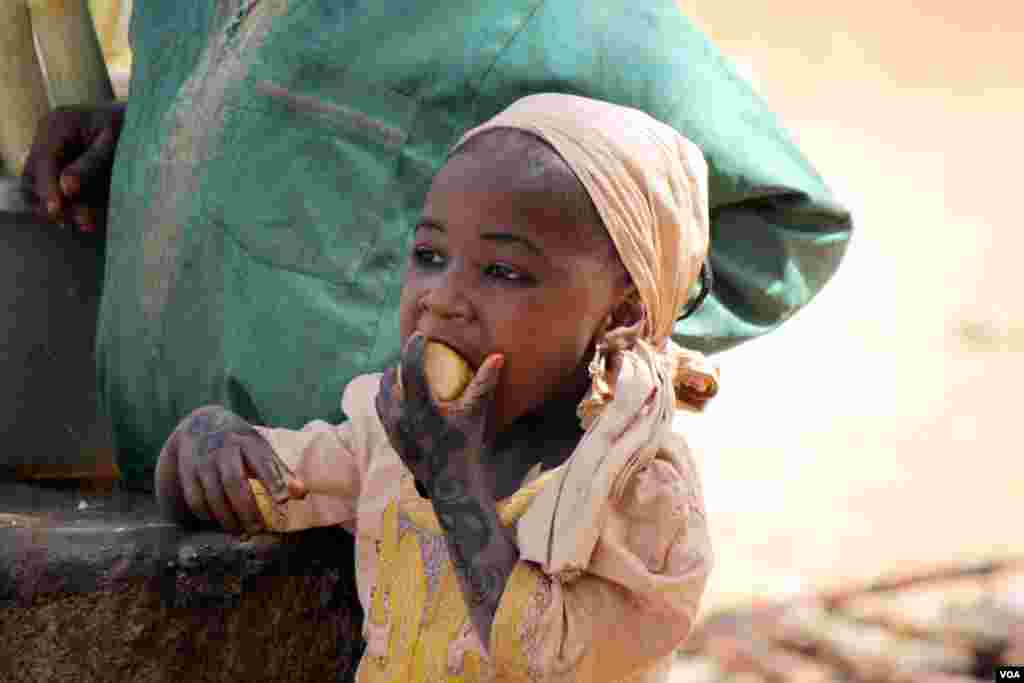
273, 517
448, 374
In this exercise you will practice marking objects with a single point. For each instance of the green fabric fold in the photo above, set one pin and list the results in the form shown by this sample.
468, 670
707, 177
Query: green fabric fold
271, 167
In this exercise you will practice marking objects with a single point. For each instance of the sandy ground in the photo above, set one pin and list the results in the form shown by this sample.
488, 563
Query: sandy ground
877, 431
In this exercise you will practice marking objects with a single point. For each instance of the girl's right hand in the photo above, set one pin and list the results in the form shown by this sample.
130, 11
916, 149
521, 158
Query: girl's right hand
204, 470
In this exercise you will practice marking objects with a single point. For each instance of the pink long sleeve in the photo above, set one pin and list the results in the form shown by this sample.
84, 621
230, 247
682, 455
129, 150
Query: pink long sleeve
331, 459
622, 618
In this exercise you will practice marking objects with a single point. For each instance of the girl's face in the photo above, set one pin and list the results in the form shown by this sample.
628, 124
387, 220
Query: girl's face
503, 262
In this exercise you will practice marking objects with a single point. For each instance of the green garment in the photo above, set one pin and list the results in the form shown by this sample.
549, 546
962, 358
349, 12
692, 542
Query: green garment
277, 152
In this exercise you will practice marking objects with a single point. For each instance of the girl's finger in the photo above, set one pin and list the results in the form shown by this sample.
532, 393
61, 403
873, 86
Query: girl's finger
385, 401
297, 489
386, 391
214, 494
415, 389
485, 381
240, 498
195, 496
389, 411
191, 488
258, 456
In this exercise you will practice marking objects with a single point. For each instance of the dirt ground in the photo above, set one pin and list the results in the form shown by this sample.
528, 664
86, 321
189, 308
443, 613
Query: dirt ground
877, 431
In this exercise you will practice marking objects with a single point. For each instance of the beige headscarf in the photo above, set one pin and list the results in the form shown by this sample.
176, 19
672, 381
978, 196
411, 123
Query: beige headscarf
649, 185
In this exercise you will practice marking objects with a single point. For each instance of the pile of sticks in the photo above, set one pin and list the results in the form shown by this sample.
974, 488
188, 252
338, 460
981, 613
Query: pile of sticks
947, 625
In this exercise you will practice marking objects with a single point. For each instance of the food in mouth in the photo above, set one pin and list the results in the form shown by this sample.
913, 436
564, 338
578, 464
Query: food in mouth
448, 373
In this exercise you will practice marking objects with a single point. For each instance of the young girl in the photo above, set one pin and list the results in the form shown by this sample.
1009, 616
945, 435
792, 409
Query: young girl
548, 524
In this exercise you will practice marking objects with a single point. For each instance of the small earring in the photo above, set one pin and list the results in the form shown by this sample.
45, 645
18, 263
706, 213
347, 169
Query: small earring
631, 309
608, 324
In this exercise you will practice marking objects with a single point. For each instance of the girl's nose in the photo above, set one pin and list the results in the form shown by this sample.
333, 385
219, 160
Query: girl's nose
446, 299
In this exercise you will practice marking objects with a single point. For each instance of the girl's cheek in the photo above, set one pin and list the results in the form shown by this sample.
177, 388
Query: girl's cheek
407, 309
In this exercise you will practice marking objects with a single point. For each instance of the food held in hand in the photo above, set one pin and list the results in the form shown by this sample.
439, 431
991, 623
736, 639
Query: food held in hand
448, 374
273, 518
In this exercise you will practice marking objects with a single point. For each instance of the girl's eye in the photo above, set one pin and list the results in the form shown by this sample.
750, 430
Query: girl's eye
503, 272
427, 257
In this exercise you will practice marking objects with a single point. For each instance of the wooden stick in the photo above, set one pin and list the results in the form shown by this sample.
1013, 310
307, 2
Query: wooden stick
21, 86
757, 655
921, 610
835, 598
70, 52
870, 652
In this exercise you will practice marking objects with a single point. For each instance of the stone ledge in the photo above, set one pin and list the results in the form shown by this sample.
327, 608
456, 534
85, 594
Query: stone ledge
102, 589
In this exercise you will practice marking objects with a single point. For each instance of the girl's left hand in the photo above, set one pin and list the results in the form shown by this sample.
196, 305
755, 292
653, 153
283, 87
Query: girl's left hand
433, 437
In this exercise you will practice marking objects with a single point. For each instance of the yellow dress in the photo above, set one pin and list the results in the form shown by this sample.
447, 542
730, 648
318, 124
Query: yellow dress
417, 601
642, 574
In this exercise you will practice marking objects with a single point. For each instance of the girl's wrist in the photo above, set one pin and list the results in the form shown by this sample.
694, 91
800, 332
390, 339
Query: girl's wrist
466, 480
474, 476
463, 464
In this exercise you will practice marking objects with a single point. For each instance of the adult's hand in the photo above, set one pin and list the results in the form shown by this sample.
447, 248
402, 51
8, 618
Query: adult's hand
204, 470
69, 166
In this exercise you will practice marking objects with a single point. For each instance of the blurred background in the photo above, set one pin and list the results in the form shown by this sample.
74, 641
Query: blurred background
876, 431
112, 19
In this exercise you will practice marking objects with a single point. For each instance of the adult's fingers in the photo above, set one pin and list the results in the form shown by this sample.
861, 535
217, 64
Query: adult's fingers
42, 176
92, 168
85, 217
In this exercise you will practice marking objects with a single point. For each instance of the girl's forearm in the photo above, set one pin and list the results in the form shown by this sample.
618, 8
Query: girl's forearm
482, 551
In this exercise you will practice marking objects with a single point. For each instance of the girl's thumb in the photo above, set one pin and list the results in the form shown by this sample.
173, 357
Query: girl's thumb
485, 381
